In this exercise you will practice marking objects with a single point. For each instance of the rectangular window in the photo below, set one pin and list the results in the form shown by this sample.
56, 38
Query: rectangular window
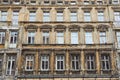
105, 62
46, 16
59, 15
73, 16
75, 62
86, 2
60, 62
11, 62
13, 38
45, 37
44, 62
90, 62
88, 38
2, 37
15, 18
5, 1
100, 16
59, 2
46, 2
32, 16
87, 16
29, 64
115, 1
117, 16
74, 37
99, 2
118, 38
1, 64
73, 2
16, 1
31, 37
60, 38
33, 1
3, 15
102, 37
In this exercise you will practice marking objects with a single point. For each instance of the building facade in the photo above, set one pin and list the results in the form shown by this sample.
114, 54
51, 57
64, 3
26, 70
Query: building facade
59, 39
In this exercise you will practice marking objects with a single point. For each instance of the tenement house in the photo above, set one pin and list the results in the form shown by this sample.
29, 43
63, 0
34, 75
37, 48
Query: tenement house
59, 40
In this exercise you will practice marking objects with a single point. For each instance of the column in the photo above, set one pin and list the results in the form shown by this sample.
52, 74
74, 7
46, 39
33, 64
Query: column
113, 60
95, 36
97, 62
67, 62
19, 63
67, 36
4, 65
82, 62
82, 36
36, 62
52, 63
52, 37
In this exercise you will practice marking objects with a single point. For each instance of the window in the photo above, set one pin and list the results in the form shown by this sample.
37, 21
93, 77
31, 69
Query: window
11, 62
45, 37
117, 17
118, 38
32, 1
75, 62
88, 38
5, 1
100, 16
86, 2
16, 1
87, 16
59, 2
15, 18
60, 38
73, 16
102, 37
13, 38
29, 65
60, 62
90, 62
74, 37
115, 1
44, 62
3, 15
99, 2
46, 16
31, 37
59, 15
32, 16
105, 62
1, 64
46, 2
2, 37
73, 2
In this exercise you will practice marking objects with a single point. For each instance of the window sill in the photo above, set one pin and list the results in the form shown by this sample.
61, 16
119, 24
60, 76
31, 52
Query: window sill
60, 70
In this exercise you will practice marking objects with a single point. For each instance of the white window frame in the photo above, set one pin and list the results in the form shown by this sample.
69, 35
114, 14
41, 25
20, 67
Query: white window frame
75, 63
4, 15
90, 62
60, 37
15, 17
102, 37
11, 62
118, 38
88, 38
13, 37
31, 37
115, 1
59, 15
44, 62
29, 62
46, 16
100, 15
106, 61
32, 16
74, 37
2, 37
45, 37
60, 63
73, 16
87, 16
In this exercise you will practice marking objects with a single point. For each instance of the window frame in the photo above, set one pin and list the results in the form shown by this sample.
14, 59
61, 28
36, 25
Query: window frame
43, 61
13, 37
89, 37
73, 16
31, 37
46, 16
73, 41
103, 37
28, 61
100, 15
60, 62
4, 15
32, 16
15, 17
59, 36
2, 37
59, 16
87, 16
46, 37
